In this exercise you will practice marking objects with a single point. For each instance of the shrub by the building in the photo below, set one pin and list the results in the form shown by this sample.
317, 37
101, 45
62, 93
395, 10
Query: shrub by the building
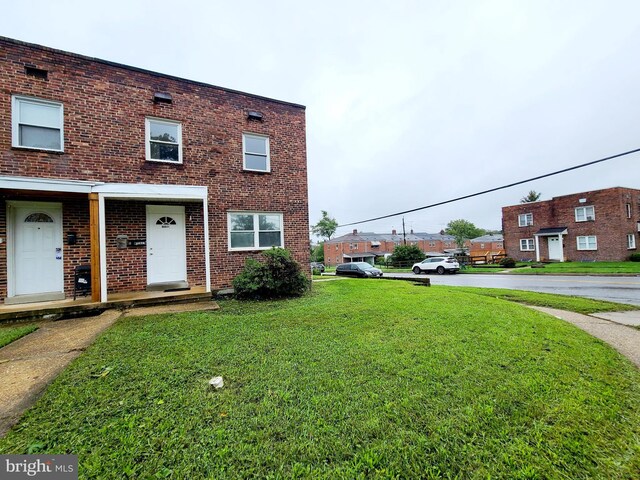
508, 262
634, 257
277, 276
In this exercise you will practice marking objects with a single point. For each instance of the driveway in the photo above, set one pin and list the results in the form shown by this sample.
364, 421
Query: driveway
611, 288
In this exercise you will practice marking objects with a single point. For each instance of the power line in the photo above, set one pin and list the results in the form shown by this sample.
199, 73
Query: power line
493, 189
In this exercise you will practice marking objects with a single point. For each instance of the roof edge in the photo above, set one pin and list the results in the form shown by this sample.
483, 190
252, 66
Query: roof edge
145, 71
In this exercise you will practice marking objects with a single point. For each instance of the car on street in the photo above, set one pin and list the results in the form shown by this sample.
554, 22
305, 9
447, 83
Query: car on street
440, 265
358, 269
317, 267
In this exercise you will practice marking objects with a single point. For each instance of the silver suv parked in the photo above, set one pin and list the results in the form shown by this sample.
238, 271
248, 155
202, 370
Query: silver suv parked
439, 265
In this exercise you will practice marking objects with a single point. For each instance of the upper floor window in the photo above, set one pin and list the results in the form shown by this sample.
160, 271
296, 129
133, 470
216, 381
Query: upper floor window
254, 231
499, 245
37, 124
255, 153
585, 214
163, 140
631, 241
525, 219
587, 242
628, 209
527, 245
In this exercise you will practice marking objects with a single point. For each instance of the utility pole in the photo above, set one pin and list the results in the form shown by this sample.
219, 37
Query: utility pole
404, 234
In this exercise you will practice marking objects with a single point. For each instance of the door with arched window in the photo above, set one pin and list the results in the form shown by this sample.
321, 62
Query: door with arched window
166, 244
35, 251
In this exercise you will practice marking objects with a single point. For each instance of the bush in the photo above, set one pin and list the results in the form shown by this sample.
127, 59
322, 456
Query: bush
634, 257
508, 262
278, 276
407, 254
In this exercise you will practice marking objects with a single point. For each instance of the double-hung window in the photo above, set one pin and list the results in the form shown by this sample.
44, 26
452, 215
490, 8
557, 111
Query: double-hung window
525, 219
631, 241
585, 214
255, 153
37, 124
587, 242
527, 245
254, 231
163, 140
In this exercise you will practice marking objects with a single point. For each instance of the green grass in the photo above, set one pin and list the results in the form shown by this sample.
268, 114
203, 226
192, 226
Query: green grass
11, 333
357, 380
561, 302
583, 268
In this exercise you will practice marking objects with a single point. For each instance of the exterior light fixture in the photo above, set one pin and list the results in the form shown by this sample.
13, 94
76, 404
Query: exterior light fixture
251, 115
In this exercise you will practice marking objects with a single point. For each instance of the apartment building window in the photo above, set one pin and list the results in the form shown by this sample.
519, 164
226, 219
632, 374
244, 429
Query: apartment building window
37, 124
432, 244
631, 241
499, 245
255, 150
587, 242
254, 230
527, 245
525, 219
628, 208
163, 140
585, 214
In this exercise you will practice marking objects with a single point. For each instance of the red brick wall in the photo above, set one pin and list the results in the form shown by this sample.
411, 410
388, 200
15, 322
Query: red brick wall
105, 107
610, 226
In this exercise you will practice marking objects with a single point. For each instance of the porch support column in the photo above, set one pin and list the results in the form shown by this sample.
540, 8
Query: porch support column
207, 259
94, 236
561, 247
537, 247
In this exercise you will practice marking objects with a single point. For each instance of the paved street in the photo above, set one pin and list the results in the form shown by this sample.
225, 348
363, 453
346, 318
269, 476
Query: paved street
614, 289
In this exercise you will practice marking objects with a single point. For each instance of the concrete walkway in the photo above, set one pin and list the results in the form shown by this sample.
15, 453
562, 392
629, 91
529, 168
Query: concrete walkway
29, 364
624, 338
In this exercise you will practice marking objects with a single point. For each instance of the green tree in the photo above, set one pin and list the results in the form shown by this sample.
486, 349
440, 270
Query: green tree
532, 196
317, 253
463, 230
326, 226
407, 253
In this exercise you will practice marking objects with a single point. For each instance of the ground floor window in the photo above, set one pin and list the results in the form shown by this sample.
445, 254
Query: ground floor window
631, 241
527, 245
587, 242
254, 230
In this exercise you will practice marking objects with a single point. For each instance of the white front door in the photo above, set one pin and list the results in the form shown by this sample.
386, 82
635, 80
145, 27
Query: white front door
166, 244
555, 248
35, 263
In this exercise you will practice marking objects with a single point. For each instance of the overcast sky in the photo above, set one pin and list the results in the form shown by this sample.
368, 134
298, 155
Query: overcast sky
409, 103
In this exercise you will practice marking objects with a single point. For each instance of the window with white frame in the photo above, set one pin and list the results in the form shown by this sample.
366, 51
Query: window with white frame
255, 152
585, 214
37, 124
527, 245
628, 208
499, 245
254, 230
587, 242
631, 241
525, 219
163, 140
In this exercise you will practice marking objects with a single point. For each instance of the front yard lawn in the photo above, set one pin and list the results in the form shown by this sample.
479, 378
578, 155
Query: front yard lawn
582, 268
359, 379
11, 333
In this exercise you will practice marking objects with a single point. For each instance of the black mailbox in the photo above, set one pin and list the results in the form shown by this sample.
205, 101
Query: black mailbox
82, 281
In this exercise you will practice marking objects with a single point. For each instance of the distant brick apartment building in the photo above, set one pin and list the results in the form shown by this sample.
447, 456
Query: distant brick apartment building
598, 225
149, 179
365, 246
489, 246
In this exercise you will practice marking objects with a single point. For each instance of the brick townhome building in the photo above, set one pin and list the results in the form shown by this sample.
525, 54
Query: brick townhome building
598, 225
487, 246
365, 246
152, 180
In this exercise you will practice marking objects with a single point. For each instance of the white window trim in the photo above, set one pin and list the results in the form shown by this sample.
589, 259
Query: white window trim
15, 121
147, 139
585, 215
526, 222
244, 151
631, 241
527, 249
595, 238
256, 231
628, 209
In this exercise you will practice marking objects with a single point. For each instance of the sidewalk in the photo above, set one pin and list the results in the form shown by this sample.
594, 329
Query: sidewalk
613, 328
